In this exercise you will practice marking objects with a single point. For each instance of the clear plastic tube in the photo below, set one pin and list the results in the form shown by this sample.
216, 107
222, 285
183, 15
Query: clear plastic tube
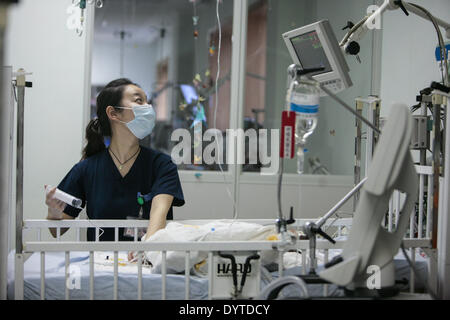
65, 197
300, 158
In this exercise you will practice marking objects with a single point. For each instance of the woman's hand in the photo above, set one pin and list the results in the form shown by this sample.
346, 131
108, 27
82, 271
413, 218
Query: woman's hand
145, 236
160, 206
55, 210
55, 206
132, 257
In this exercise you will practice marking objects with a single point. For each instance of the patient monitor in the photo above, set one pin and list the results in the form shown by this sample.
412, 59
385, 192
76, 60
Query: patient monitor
315, 46
370, 246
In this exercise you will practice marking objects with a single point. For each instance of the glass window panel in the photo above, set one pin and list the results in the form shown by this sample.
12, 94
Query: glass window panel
333, 141
169, 48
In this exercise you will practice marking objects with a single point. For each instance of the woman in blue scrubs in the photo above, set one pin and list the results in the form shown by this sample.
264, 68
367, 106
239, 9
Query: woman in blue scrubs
108, 179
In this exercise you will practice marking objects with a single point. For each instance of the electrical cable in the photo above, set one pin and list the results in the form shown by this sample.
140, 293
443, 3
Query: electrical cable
273, 289
102, 231
196, 56
353, 29
444, 57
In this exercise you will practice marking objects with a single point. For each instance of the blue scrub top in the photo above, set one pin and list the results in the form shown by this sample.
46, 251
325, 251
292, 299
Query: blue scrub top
107, 195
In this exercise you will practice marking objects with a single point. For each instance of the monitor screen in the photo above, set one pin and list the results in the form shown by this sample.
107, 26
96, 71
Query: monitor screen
310, 52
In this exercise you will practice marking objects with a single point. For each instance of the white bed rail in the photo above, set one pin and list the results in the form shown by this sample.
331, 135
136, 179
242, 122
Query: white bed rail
420, 226
417, 237
117, 246
421, 218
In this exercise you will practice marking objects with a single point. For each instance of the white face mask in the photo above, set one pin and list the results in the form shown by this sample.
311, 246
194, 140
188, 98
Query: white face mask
144, 120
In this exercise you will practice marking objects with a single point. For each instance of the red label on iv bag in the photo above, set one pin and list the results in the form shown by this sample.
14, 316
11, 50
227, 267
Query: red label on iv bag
287, 134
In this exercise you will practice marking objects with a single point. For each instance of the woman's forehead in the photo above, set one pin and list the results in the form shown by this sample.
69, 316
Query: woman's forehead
131, 91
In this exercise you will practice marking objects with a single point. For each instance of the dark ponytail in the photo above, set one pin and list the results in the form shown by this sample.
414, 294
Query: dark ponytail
98, 128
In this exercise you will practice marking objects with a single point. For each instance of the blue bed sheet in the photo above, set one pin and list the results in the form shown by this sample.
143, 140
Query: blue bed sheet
55, 281
151, 283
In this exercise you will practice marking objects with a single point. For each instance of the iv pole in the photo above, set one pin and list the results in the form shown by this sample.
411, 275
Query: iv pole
5, 142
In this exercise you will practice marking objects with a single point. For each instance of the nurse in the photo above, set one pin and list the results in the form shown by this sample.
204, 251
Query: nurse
107, 179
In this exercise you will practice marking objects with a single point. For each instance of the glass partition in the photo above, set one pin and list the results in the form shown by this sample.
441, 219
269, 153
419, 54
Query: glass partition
332, 145
169, 48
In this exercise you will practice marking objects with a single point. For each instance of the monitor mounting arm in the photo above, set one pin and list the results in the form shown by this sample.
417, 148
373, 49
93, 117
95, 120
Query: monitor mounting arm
349, 43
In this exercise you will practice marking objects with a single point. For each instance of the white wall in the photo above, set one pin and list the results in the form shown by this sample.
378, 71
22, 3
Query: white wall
166, 48
140, 60
38, 40
333, 140
207, 196
106, 63
408, 53
409, 65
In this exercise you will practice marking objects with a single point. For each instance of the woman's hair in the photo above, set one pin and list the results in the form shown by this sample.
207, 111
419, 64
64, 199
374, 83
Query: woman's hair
98, 128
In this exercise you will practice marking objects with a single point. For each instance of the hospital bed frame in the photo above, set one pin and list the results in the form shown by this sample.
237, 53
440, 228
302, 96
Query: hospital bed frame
418, 238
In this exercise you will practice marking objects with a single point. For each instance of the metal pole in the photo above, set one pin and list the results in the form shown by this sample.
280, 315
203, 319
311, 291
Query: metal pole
19, 261
423, 152
358, 139
444, 255
19, 163
5, 165
322, 220
312, 254
346, 106
237, 90
369, 139
436, 149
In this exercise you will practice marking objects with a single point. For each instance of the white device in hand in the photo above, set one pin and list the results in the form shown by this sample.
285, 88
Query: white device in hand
66, 198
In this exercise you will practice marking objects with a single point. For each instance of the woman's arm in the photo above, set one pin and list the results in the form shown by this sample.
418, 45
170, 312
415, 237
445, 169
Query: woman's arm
158, 213
55, 211
63, 217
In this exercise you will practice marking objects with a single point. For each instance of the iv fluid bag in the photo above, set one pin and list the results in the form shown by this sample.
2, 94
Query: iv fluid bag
305, 102
306, 107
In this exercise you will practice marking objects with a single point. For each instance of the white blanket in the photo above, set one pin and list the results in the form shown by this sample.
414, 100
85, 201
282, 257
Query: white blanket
104, 261
221, 230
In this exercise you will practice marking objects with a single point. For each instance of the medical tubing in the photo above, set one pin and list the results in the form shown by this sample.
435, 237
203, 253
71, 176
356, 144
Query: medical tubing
290, 82
271, 291
280, 179
216, 88
246, 269
233, 267
352, 30
291, 85
444, 57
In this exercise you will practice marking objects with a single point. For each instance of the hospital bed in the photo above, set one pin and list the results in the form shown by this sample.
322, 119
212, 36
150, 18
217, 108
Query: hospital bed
45, 270
79, 260
40, 272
